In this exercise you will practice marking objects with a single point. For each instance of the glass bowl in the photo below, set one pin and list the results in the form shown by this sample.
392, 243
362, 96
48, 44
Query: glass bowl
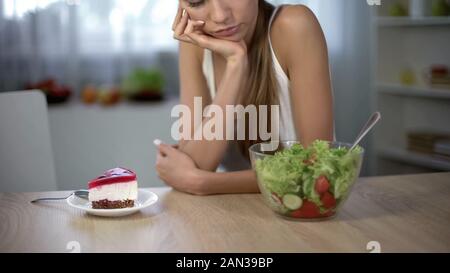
309, 184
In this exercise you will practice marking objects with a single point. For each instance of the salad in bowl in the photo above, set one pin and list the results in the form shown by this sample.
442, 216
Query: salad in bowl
308, 183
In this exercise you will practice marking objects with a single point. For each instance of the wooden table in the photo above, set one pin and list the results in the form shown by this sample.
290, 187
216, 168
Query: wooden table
401, 213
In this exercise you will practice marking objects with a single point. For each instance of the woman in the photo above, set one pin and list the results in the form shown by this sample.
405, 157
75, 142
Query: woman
246, 52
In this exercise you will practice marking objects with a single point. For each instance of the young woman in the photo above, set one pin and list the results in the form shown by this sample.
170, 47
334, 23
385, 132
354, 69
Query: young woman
246, 52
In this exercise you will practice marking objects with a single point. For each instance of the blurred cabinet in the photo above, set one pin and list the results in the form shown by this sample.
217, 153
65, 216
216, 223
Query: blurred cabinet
404, 50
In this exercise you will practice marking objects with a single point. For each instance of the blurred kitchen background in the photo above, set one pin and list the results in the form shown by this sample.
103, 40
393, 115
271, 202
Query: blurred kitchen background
109, 72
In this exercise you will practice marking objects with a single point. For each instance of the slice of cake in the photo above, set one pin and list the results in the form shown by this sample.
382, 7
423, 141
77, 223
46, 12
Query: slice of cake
116, 188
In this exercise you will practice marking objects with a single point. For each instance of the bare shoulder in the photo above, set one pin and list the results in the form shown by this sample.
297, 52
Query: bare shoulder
297, 19
294, 27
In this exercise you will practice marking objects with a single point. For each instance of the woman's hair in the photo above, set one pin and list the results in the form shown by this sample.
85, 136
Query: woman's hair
262, 84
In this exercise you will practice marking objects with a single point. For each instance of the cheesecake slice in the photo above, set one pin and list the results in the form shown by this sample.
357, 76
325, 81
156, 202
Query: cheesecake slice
114, 189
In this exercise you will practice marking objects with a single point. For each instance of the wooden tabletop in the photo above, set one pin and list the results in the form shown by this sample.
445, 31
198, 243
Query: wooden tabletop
397, 213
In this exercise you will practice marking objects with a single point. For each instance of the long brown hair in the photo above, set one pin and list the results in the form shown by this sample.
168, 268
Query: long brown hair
262, 85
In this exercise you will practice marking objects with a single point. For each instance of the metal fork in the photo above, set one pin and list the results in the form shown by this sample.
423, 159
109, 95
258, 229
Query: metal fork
80, 193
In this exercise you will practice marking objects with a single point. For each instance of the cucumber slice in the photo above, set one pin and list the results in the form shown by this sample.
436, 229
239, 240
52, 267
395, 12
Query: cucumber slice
292, 201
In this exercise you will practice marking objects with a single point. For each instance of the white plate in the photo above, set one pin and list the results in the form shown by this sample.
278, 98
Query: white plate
145, 198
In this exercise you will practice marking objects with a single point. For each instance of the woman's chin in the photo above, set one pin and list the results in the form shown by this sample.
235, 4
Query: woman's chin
232, 38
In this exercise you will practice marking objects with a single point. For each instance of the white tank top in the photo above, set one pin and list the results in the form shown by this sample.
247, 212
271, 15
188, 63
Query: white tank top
234, 160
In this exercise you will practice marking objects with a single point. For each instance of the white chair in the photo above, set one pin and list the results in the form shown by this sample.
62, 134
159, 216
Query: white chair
26, 157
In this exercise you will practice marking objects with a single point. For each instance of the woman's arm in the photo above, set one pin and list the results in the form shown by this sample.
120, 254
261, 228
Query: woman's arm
229, 182
178, 171
304, 57
207, 154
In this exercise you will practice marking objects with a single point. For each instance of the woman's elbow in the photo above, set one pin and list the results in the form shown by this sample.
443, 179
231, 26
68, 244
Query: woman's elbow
201, 160
207, 165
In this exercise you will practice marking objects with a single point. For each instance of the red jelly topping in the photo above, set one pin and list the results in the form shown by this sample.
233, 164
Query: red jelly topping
113, 176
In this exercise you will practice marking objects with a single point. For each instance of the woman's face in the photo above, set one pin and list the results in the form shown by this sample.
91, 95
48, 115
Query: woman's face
232, 20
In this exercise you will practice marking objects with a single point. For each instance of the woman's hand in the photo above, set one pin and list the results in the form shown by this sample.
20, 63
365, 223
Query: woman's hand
191, 31
178, 170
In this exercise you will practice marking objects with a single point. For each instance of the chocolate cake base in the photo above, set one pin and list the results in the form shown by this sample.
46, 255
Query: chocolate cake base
105, 204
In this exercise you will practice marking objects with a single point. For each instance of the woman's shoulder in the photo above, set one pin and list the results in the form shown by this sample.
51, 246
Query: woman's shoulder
294, 18
292, 28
